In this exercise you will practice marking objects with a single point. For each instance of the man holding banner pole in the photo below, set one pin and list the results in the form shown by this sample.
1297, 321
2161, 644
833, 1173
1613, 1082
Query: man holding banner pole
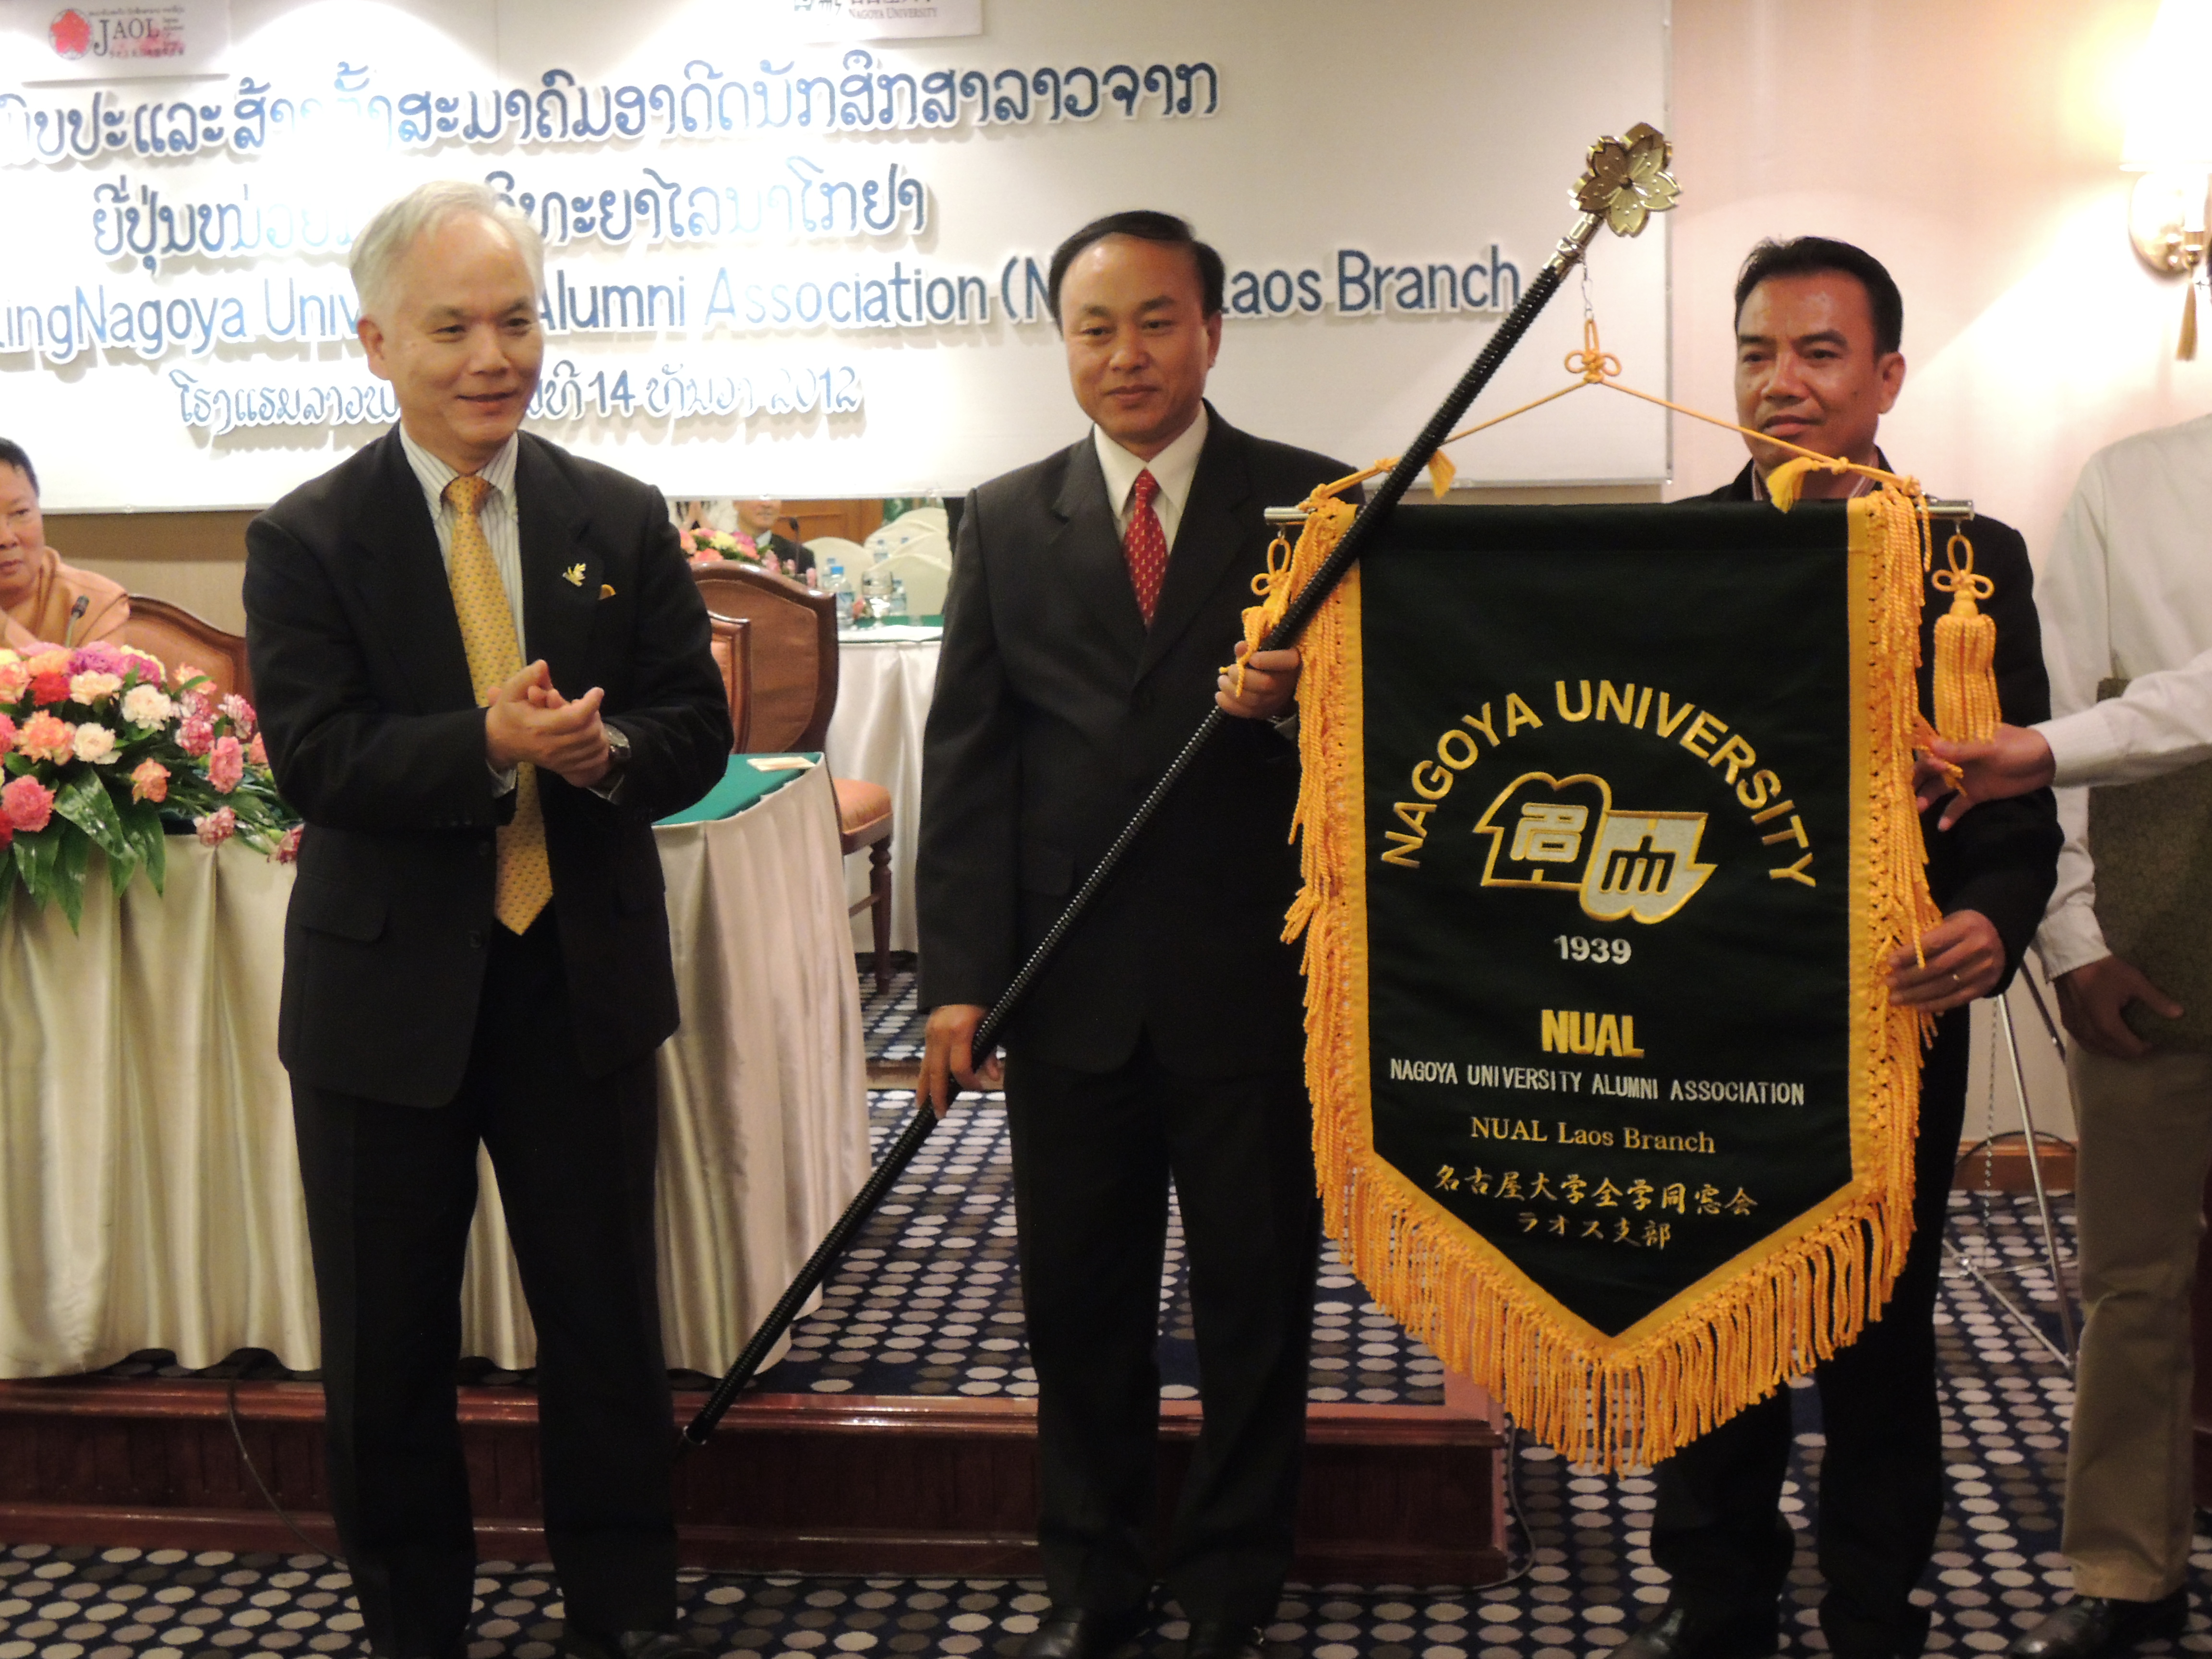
1094, 597
1819, 326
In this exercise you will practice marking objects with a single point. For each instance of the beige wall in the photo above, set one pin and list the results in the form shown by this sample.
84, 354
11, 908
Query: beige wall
1973, 146
190, 559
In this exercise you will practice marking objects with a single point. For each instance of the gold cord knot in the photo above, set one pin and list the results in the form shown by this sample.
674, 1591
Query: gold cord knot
1963, 581
1593, 364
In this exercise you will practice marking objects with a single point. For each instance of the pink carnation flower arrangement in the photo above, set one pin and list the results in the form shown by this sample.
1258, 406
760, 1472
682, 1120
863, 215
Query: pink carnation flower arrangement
714, 546
101, 749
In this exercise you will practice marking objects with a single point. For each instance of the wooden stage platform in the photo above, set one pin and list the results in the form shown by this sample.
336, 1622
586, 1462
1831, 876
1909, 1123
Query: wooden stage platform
813, 1483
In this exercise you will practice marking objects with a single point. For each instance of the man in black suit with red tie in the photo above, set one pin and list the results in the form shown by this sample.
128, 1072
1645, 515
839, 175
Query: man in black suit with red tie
483, 672
1094, 597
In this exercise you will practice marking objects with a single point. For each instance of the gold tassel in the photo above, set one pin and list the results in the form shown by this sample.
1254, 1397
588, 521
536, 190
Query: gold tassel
2187, 351
1966, 708
1783, 482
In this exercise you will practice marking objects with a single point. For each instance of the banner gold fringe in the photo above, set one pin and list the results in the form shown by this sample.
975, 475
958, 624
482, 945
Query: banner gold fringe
1780, 1308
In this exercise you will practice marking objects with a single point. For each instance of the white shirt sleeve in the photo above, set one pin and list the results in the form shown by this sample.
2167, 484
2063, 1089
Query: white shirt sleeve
2163, 723
2077, 653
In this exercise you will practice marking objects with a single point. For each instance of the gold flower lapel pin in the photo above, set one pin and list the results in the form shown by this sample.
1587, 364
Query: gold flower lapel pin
573, 575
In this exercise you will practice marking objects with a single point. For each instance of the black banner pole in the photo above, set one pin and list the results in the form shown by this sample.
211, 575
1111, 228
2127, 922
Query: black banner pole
1373, 513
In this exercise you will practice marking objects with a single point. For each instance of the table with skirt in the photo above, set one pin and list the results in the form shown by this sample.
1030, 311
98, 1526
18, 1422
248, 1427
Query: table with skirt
151, 1195
886, 675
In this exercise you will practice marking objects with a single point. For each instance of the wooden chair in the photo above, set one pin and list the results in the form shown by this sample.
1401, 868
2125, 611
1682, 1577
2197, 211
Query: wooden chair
176, 636
733, 654
792, 648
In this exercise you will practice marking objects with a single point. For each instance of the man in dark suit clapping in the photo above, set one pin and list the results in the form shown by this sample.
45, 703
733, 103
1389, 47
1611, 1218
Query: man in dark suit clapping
1094, 597
482, 669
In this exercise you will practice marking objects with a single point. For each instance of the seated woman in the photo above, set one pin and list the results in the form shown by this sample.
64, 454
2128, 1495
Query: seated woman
42, 600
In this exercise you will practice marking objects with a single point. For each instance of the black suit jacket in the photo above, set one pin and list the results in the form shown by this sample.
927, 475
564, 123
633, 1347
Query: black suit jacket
1055, 710
375, 736
796, 554
2002, 859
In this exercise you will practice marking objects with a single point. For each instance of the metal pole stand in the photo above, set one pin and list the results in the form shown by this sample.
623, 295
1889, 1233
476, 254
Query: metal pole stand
1985, 1270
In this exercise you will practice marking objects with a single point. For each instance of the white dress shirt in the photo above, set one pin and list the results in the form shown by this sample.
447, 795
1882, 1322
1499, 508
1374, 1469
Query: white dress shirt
1174, 470
2128, 595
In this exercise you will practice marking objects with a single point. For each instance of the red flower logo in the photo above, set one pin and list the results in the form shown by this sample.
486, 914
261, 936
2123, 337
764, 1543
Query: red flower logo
70, 34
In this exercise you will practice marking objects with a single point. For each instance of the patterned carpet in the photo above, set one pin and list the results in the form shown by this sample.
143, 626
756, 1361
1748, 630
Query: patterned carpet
1585, 1579
928, 1303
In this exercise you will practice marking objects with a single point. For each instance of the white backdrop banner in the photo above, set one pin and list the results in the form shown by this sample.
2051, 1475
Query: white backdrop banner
780, 266
47, 41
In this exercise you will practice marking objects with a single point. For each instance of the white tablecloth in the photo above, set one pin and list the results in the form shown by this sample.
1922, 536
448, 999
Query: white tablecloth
883, 700
151, 1190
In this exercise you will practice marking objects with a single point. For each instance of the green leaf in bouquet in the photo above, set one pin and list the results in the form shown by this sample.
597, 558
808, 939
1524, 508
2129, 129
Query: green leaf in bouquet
35, 855
85, 802
71, 859
142, 824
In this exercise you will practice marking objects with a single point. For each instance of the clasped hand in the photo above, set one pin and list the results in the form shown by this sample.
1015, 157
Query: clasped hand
529, 720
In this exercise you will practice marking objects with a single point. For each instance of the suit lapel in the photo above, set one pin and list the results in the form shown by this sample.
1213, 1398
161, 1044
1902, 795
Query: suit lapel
560, 576
1088, 551
1208, 540
401, 577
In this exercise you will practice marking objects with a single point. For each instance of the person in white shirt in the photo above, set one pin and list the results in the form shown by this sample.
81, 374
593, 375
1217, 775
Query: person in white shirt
2128, 597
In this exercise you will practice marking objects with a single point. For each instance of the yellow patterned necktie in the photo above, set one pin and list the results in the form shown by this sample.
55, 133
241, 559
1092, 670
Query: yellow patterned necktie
523, 880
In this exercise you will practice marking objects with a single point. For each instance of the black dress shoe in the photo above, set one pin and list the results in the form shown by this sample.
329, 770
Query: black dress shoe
1081, 1633
1677, 1634
1219, 1639
2092, 1625
578, 1643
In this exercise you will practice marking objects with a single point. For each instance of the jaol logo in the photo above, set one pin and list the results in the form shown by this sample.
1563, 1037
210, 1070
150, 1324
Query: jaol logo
70, 34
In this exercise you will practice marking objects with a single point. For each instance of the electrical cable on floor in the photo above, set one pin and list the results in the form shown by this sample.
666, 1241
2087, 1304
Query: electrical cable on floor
1513, 1512
237, 1434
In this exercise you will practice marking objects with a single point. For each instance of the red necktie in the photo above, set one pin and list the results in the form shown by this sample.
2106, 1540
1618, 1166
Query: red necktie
1146, 544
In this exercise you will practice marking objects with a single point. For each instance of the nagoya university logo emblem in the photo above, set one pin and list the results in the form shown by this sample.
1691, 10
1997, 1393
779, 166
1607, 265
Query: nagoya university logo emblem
1565, 835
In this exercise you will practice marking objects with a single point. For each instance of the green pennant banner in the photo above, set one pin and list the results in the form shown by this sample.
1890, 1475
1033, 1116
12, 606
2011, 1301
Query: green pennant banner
1608, 829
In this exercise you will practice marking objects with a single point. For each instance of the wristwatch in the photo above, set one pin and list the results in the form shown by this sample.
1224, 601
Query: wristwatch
617, 750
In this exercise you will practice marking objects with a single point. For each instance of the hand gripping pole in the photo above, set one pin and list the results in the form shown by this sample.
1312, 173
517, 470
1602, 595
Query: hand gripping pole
1626, 180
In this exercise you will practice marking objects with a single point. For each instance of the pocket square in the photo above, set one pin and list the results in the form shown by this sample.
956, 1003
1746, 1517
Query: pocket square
606, 590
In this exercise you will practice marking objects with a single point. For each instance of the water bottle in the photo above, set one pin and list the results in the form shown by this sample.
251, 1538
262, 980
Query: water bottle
898, 598
841, 591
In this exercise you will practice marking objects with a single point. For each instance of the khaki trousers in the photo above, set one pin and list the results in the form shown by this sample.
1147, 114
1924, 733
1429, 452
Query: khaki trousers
2146, 1140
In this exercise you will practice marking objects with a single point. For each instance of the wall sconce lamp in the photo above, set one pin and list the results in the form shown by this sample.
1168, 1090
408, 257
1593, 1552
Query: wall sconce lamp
2169, 143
